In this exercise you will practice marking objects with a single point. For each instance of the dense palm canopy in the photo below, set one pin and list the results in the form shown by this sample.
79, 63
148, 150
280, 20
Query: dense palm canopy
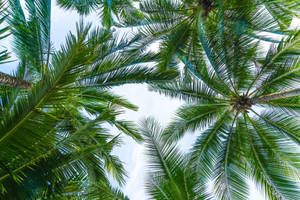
242, 99
46, 138
52, 139
179, 23
246, 104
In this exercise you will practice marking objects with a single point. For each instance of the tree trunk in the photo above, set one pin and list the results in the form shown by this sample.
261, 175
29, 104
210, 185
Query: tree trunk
14, 82
277, 95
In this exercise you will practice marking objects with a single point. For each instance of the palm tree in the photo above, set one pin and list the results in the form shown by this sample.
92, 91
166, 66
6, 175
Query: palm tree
110, 10
46, 140
246, 104
169, 176
52, 137
179, 23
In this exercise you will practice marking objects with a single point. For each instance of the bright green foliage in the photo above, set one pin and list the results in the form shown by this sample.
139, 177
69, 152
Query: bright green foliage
245, 105
111, 11
46, 140
243, 101
52, 137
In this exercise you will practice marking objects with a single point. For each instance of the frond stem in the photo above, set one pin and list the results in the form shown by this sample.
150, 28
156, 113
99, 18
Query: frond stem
276, 95
276, 79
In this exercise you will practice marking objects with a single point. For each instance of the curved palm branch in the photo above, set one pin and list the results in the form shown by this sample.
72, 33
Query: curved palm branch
251, 130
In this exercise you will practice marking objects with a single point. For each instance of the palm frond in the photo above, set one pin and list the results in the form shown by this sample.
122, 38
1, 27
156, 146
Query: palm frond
56, 105
31, 34
192, 118
4, 55
266, 172
168, 176
230, 179
281, 57
190, 91
204, 153
110, 10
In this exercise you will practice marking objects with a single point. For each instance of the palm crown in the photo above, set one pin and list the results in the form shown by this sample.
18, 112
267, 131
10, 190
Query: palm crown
246, 102
48, 119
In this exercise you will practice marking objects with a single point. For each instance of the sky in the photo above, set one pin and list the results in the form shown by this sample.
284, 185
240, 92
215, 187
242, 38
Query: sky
150, 104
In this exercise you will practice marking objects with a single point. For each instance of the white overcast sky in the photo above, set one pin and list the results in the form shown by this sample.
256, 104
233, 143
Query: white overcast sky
150, 104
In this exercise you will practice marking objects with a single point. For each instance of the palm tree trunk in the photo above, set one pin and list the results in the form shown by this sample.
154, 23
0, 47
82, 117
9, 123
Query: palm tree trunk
14, 82
277, 95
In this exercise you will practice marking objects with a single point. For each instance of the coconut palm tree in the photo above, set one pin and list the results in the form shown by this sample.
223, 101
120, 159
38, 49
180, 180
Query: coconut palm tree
46, 139
244, 103
52, 137
110, 10
168, 174
178, 23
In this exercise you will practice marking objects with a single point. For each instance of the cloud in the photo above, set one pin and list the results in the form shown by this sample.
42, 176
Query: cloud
135, 185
